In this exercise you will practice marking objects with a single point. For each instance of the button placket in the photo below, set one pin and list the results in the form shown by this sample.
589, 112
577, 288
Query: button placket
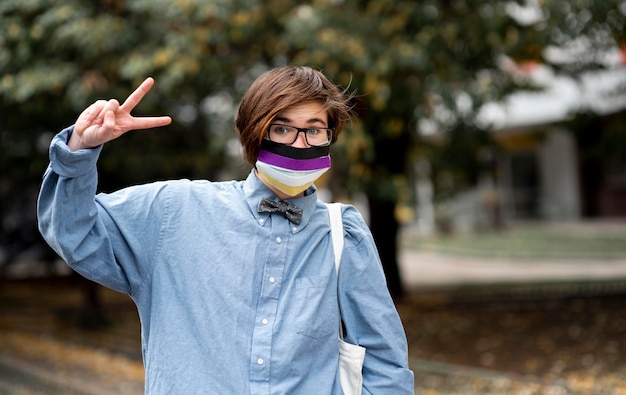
262, 337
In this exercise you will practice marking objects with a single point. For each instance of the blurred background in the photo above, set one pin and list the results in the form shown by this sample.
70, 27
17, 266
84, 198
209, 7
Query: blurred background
488, 157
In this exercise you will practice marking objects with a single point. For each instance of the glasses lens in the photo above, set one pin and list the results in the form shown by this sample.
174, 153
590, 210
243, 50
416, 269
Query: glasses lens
317, 136
282, 134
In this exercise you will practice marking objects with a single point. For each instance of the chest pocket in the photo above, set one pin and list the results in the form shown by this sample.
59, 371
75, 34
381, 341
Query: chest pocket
317, 305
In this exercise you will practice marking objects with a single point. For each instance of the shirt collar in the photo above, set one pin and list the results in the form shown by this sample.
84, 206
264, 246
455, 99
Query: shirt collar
254, 190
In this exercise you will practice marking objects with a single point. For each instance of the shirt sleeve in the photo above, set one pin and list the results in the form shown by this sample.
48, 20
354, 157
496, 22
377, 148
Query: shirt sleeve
95, 235
369, 314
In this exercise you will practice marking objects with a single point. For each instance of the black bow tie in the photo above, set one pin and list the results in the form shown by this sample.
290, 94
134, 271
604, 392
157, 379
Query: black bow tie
292, 213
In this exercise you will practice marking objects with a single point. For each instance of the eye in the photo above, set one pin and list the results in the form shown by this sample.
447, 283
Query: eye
313, 132
280, 129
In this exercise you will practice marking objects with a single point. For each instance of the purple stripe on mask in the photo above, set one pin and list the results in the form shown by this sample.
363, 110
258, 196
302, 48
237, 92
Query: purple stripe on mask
294, 164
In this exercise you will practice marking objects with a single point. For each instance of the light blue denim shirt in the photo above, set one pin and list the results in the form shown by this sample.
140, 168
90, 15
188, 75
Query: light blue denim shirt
230, 301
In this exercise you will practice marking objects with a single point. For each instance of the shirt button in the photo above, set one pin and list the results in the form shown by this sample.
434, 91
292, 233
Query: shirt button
261, 221
272, 280
279, 240
294, 229
260, 361
264, 321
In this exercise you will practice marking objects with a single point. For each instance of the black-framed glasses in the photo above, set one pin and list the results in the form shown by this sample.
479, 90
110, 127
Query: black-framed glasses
287, 134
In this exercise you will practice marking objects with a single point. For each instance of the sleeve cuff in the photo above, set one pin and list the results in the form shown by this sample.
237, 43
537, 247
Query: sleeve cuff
70, 164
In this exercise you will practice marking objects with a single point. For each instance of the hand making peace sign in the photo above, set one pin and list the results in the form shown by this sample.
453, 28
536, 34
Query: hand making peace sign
106, 120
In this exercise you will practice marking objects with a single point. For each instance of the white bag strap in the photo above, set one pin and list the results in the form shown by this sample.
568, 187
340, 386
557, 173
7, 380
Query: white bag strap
351, 356
336, 233
336, 230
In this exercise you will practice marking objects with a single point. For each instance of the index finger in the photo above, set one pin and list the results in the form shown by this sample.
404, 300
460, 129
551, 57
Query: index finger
138, 94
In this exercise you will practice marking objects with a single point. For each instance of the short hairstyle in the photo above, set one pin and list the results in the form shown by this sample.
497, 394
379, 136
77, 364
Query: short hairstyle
278, 89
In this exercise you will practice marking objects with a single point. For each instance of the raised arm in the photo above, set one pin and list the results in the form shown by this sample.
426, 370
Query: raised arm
106, 120
72, 220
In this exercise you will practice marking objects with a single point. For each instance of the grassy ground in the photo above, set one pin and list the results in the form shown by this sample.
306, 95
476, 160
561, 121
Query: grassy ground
576, 241
495, 340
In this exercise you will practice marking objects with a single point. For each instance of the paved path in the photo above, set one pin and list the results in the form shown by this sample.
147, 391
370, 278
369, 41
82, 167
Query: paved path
430, 269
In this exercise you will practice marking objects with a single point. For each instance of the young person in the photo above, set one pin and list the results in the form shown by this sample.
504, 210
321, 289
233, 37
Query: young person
234, 282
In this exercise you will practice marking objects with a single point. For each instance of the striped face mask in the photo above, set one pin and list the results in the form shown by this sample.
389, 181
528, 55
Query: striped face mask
291, 170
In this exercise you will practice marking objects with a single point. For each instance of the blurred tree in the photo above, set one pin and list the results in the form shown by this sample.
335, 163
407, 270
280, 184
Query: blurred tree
426, 68
419, 69
59, 56
56, 57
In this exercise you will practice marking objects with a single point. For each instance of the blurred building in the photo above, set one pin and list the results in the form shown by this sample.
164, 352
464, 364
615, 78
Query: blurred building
550, 172
545, 169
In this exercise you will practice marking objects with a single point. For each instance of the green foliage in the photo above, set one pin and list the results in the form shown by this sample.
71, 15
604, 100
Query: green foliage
416, 67
408, 61
530, 241
435, 63
58, 56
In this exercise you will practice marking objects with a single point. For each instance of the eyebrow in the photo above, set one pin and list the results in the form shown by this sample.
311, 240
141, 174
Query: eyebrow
309, 121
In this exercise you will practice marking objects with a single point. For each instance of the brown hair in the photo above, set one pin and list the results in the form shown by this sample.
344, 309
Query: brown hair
278, 89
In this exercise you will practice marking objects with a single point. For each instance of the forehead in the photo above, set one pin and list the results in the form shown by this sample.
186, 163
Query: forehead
306, 112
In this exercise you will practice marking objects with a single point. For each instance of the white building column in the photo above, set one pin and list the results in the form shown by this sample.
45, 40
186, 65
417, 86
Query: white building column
560, 190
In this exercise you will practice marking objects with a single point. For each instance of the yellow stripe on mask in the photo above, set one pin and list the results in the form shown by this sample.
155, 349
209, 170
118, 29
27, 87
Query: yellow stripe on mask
289, 190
